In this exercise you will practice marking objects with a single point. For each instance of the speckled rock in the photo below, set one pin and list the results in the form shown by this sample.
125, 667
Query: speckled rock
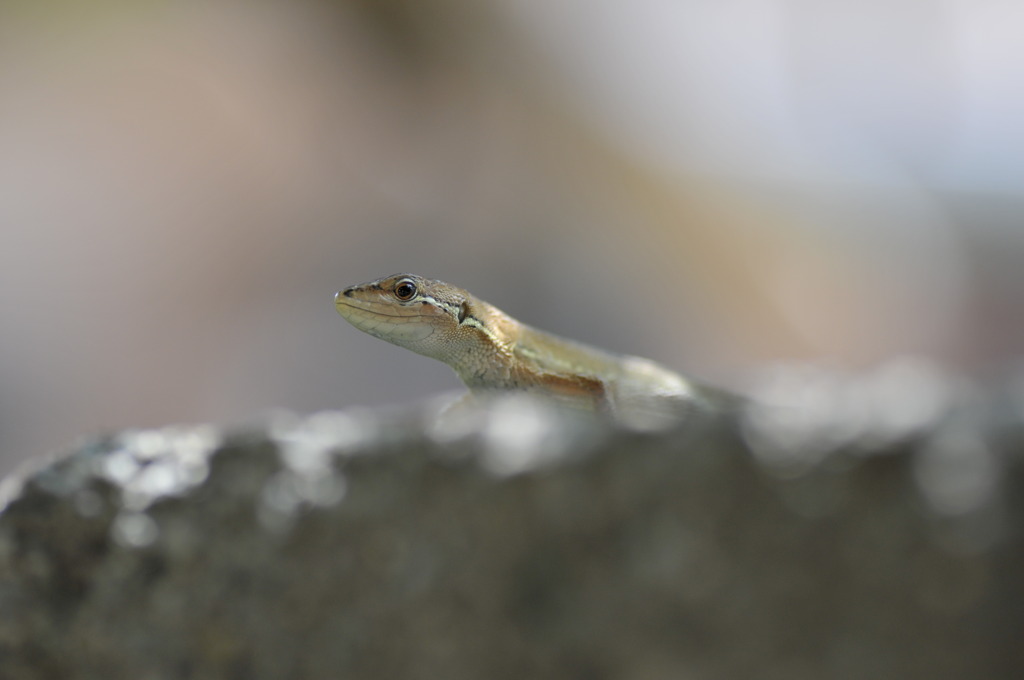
517, 542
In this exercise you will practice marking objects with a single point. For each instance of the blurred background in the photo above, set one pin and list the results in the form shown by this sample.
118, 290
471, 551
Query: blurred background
718, 186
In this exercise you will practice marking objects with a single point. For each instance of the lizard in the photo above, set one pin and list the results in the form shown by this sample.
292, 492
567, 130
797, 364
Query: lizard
491, 352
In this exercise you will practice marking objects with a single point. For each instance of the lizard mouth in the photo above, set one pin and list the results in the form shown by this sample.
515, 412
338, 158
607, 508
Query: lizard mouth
366, 307
405, 330
345, 299
369, 315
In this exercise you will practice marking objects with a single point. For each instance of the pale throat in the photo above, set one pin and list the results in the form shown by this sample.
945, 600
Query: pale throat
479, 354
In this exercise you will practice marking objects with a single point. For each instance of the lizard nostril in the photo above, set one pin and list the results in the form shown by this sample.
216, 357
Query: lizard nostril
347, 292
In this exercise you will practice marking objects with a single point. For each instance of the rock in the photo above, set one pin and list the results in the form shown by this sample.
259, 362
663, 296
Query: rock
518, 542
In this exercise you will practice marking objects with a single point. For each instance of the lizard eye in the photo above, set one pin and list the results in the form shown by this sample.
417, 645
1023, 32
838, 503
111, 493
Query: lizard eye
405, 290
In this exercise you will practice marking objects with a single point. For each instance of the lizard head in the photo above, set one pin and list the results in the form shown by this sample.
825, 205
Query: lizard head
426, 316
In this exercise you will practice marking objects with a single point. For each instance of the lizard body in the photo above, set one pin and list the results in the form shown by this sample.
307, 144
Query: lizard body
491, 351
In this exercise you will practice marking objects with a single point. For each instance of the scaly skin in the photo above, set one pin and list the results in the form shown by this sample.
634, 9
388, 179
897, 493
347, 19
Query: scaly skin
490, 350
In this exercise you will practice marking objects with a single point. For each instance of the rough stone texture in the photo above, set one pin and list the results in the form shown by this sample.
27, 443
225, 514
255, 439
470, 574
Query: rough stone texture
517, 543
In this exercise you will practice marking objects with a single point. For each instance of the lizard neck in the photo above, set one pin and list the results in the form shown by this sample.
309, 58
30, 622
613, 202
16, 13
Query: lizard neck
503, 354
484, 355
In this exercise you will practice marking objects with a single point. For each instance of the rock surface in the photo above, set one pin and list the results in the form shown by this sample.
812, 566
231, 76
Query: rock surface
517, 543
